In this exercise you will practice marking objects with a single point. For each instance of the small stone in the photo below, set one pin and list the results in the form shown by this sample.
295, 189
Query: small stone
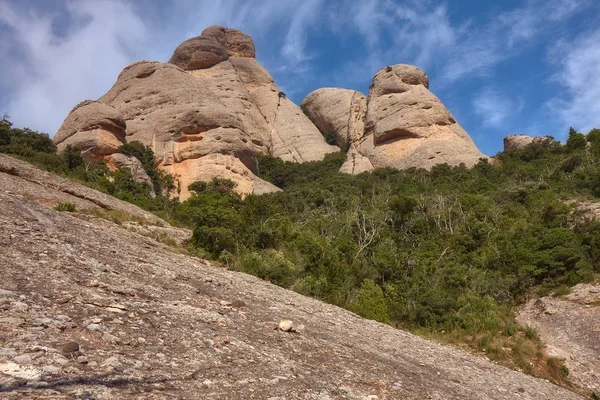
111, 362
19, 306
286, 325
63, 318
238, 304
7, 293
94, 327
82, 360
22, 359
208, 383
50, 369
70, 347
60, 360
96, 320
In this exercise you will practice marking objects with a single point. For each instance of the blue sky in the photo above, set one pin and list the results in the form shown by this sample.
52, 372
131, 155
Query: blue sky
504, 67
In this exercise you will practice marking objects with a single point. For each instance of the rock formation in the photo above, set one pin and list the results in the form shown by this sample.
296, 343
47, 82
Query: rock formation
519, 142
205, 114
210, 110
405, 125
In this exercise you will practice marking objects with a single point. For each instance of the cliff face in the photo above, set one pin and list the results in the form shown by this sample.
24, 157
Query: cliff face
213, 107
92, 310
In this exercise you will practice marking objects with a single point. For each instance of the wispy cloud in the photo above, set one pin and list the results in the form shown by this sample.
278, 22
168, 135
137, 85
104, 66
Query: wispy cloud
480, 49
579, 74
48, 73
494, 108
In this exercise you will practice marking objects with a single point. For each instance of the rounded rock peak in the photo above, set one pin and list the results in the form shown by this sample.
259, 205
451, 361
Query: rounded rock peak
237, 43
198, 53
89, 115
408, 74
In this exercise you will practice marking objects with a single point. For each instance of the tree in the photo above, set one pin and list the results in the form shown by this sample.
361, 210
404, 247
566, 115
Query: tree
576, 140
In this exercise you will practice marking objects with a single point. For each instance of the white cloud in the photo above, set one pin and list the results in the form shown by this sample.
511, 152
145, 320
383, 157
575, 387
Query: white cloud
494, 108
579, 74
49, 73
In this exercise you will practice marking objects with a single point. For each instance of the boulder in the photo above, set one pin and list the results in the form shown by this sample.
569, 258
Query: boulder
118, 160
356, 163
199, 52
519, 142
295, 138
94, 128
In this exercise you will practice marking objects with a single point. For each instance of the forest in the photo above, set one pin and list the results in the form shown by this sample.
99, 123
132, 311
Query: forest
447, 253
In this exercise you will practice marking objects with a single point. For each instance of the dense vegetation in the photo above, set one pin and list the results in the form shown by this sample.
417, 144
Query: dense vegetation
446, 252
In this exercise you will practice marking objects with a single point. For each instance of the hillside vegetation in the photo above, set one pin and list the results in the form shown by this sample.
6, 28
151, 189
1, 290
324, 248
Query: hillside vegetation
447, 252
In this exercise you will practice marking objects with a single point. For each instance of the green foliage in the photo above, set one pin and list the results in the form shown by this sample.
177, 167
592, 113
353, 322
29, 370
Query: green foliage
23, 142
70, 207
448, 250
370, 302
576, 141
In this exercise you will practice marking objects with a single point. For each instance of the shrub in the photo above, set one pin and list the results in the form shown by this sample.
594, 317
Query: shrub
370, 302
70, 207
576, 140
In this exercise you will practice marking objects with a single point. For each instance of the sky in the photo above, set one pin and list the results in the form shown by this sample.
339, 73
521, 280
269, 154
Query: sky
501, 67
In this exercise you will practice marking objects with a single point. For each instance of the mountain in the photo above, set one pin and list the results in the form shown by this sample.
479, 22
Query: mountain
212, 108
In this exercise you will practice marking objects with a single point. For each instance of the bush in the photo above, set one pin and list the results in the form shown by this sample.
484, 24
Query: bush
370, 302
69, 207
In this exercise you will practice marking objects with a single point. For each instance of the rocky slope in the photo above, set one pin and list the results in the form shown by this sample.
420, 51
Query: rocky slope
23, 180
570, 326
90, 310
400, 125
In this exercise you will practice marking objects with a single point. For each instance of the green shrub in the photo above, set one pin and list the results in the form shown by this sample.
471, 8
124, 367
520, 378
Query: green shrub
370, 302
70, 207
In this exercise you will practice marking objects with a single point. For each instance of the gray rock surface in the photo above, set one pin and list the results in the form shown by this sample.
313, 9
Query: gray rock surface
570, 326
178, 335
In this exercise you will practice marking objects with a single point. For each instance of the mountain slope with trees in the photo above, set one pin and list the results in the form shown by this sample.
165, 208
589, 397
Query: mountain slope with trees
447, 253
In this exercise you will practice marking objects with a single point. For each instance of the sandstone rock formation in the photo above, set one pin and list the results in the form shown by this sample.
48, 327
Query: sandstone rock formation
337, 112
206, 113
405, 125
92, 311
519, 142
213, 107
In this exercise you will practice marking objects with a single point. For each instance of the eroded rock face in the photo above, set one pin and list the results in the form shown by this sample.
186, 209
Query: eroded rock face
236, 42
405, 125
212, 103
337, 112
